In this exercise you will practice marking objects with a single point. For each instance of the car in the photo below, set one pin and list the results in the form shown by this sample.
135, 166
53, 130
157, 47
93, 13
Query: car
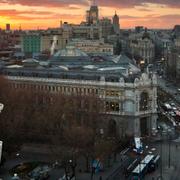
172, 113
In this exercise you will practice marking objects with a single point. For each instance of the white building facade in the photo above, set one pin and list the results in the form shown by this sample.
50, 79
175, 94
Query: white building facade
131, 107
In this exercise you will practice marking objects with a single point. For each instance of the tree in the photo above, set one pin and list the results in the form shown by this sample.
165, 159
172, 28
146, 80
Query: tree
69, 124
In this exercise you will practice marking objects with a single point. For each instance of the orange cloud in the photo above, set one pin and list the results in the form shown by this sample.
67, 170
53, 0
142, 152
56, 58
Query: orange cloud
48, 13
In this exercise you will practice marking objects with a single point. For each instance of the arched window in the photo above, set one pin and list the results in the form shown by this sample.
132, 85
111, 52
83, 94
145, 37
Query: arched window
144, 98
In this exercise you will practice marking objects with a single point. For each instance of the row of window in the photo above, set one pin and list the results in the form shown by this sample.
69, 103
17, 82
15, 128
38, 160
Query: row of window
63, 89
110, 105
113, 93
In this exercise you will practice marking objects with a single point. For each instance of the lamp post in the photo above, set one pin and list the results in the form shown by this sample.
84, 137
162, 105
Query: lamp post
101, 133
169, 149
73, 165
161, 153
1, 107
1, 143
163, 65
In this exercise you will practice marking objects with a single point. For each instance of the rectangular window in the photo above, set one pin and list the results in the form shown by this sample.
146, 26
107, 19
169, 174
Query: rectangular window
112, 106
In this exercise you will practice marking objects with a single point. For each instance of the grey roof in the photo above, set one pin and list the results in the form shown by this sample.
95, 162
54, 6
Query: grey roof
70, 51
79, 67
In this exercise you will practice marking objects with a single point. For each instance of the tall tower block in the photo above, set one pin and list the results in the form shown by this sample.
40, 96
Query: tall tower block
116, 25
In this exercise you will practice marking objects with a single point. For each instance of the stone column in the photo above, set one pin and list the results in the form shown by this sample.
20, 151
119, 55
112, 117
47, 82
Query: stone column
137, 129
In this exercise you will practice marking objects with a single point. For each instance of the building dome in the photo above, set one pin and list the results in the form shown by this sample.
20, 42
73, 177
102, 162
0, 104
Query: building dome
30, 60
70, 51
146, 35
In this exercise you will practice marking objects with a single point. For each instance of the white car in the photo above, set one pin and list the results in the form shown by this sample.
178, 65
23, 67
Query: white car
174, 108
172, 104
171, 113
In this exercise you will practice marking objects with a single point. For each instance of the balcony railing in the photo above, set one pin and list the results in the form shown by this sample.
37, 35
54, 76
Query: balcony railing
70, 81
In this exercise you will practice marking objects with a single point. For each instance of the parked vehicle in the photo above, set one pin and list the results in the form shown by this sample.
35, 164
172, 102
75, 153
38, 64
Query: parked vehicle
142, 168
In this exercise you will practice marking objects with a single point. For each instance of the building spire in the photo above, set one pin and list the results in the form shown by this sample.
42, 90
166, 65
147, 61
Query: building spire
94, 2
20, 27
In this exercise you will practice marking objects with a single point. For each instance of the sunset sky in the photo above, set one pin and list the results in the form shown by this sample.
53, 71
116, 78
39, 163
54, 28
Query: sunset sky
31, 14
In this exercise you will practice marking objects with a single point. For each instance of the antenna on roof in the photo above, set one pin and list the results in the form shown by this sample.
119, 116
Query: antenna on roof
20, 27
92, 2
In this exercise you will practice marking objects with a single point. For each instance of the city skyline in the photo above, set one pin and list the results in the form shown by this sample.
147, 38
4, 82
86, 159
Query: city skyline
32, 14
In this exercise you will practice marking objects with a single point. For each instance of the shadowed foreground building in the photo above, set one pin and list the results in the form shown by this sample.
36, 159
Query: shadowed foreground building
130, 98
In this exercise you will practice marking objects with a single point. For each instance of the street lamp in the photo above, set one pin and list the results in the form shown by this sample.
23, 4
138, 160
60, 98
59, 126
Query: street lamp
15, 177
73, 164
161, 153
101, 132
1, 107
169, 154
1, 143
154, 131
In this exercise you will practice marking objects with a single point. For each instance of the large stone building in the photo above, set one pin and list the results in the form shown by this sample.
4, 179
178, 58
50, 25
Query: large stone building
92, 15
143, 47
42, 41
177, 42
107, 27
47, 39
173, 61
87, 32
31, 43
93, 47
116, 25
176, 31
130, 98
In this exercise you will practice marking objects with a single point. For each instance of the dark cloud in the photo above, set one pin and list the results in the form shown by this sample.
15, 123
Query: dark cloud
107, 3
154, 16
46, 3
131, 20
14, 12
133, 3
35, 15
150, 21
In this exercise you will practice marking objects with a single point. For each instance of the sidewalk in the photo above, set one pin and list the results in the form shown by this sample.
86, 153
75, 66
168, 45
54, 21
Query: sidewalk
108, 173
166, 174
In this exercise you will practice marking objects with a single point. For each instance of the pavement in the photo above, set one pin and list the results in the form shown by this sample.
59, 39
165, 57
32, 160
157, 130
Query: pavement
109, 173
170, 161
57, 173
114, 172
167, 173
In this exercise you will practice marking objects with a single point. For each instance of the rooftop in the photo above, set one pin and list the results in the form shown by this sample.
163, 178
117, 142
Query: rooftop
72, 63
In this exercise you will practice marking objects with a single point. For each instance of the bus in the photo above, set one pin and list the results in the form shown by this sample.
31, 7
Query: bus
139, 172
147, 159
141, 169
